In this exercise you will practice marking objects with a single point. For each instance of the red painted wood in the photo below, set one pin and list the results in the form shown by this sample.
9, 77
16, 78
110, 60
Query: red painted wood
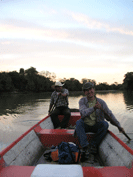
74, 117
37, 129
50, 137
107, 172
2, 163
26, 171
17, 171
54, 137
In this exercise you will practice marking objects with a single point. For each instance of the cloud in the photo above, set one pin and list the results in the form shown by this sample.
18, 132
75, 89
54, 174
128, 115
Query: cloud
90, 48
13, 31
97, 24
85, 40
96, 35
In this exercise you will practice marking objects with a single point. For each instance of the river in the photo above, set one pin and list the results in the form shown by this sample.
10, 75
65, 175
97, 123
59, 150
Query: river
18, 112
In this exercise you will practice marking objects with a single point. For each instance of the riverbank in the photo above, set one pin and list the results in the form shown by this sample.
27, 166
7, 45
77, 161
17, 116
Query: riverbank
71, 92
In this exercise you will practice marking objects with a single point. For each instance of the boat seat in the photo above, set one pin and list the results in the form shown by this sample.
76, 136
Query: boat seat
52, 170
74, 117
49, 137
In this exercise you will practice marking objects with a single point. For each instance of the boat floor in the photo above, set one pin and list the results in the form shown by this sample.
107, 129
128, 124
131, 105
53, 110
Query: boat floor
92, 161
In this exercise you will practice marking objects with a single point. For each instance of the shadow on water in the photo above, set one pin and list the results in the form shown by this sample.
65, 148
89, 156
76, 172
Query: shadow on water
9, 102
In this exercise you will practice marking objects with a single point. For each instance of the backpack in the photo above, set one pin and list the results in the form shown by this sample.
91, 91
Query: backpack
65, 153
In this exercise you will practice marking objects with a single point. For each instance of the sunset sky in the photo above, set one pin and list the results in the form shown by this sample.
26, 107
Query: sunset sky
72, 38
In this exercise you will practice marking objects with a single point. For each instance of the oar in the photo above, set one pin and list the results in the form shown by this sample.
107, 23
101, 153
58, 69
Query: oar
53, 106
115, 124
127, 136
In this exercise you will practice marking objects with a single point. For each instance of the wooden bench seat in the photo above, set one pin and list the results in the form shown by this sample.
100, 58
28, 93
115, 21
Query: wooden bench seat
49, 137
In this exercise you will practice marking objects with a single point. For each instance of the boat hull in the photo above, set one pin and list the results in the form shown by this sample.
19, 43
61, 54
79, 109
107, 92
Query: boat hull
19, 157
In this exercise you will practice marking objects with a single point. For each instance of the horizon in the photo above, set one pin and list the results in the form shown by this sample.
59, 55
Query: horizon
59, 79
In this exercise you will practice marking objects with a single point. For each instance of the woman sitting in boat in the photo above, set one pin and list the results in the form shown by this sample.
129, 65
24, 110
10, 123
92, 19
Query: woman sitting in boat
59, 105
92, 110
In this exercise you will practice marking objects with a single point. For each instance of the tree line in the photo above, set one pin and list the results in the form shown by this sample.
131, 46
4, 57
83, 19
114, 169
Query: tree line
31, 80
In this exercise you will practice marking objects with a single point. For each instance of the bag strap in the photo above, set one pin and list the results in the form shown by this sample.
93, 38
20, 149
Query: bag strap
78, 155
72, 155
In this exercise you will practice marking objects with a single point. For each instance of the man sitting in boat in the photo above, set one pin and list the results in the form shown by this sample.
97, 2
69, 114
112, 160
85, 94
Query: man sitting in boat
92, 119
59, 100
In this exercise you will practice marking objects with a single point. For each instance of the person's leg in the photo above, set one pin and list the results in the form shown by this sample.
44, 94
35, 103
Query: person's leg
81, 129
66, 112
100, 128
54, 117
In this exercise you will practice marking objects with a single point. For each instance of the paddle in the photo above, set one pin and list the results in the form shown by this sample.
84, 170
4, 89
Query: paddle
115, 124
53, 106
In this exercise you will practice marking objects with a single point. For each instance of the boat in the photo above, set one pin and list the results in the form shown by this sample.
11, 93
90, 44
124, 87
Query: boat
25, 156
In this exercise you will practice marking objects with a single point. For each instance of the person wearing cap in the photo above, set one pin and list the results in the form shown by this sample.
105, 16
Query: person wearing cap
59, 99
93, 119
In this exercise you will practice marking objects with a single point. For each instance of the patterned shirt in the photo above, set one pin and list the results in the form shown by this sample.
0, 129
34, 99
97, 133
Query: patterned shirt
61, 100
85, 111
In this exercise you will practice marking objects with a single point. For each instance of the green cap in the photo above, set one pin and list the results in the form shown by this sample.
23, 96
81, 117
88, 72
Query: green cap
88, 85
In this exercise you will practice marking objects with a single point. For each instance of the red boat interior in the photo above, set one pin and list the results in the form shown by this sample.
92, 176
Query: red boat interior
48, 137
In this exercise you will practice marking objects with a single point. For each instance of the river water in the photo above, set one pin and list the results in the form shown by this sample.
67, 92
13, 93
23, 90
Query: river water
19, 112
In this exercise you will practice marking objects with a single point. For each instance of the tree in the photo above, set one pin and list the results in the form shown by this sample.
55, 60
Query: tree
128, 81
15, 79
102, 86
84, 80
21, 71
47, 74
31, 71
72, 84
5, 82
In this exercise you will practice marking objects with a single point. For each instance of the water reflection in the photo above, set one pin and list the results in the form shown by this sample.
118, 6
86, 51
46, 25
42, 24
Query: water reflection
128, 98
114, 100
18, 112
10, 103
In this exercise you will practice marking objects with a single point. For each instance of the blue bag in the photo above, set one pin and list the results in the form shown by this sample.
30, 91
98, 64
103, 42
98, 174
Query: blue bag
66, 155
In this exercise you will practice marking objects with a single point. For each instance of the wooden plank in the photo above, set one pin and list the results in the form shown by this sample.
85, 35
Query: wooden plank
47, 124
25, 151
113, 153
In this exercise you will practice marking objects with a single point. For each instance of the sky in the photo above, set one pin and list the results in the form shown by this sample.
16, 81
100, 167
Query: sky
71, 38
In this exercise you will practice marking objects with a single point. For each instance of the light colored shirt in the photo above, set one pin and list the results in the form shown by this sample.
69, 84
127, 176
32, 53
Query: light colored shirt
100, 116
91, 120
61, 100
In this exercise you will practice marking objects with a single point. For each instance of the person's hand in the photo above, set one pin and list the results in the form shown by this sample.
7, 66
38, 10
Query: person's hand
59, 93
97, 106
121, 130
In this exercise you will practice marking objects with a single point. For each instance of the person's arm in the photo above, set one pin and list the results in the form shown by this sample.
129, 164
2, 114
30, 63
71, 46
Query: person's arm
109, 115
64, 93
84, 110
